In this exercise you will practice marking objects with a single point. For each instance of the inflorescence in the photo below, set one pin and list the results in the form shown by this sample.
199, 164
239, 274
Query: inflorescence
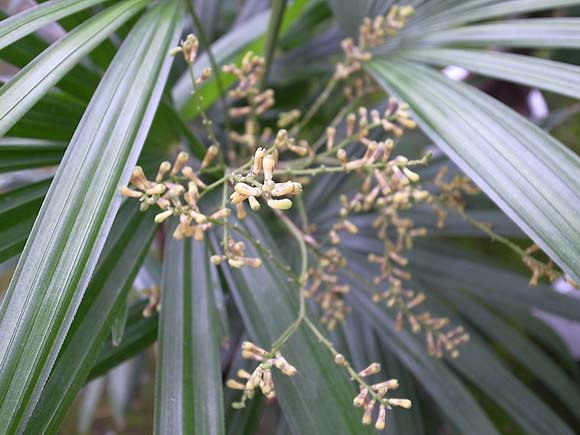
270, 167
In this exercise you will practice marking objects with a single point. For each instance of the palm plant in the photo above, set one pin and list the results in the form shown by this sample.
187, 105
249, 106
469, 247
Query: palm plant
456, 328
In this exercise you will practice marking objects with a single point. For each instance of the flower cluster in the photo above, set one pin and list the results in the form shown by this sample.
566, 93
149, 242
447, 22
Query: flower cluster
248, 188
372, 394
235, 255
167, 193
372, 34
261, 377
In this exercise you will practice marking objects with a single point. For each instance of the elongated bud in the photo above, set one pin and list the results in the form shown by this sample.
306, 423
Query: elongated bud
391, 384
254, 204
287, 188
372, 369
350, 123
380, 423
280, 204
252, 262
330, 136
368, 415
235, 385
411, 175
258, 157
130, 193
341, 156
403, 403
180, 161
360, 399
241, 211
190, 46
163, 216
139, 179
268, 166
164, 168
246, 190
221, 213
210, 154
158, 189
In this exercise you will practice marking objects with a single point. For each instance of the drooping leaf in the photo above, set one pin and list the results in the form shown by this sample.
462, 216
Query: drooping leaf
55, 267
531, 176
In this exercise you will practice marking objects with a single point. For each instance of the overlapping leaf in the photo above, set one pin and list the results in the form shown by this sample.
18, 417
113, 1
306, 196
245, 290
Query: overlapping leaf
55, 267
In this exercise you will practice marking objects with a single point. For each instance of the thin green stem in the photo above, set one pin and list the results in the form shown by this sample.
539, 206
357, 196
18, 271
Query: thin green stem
301, 281
217, 73
318, 103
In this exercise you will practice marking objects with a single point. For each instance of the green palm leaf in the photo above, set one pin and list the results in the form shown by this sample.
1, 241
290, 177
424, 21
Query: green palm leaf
55, 266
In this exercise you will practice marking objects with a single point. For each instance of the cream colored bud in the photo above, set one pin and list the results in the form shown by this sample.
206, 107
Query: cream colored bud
246, 189
407, 123
368, 415
252, 262
198, 232
216, 259
158, 189
205, 74
380, 423
139, 179
391, 384
163, 216
210, 154
360, 399
403, 403
280, 204
241, 211
268, 165
243, 374
330, 136
341, 156
249, 346
190, 46
164, 168
372, 369
221, 213
180, 161
175, 51
238, 198
350, 123
125, 191
340, 360
235, 385
414, 177
258, 157
254, 204
281, 138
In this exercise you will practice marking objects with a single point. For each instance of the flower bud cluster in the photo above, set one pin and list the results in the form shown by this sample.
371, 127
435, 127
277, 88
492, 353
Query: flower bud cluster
167, 193
261, 377
235, 256
248, 188
372, 34
371, 395
249, 75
